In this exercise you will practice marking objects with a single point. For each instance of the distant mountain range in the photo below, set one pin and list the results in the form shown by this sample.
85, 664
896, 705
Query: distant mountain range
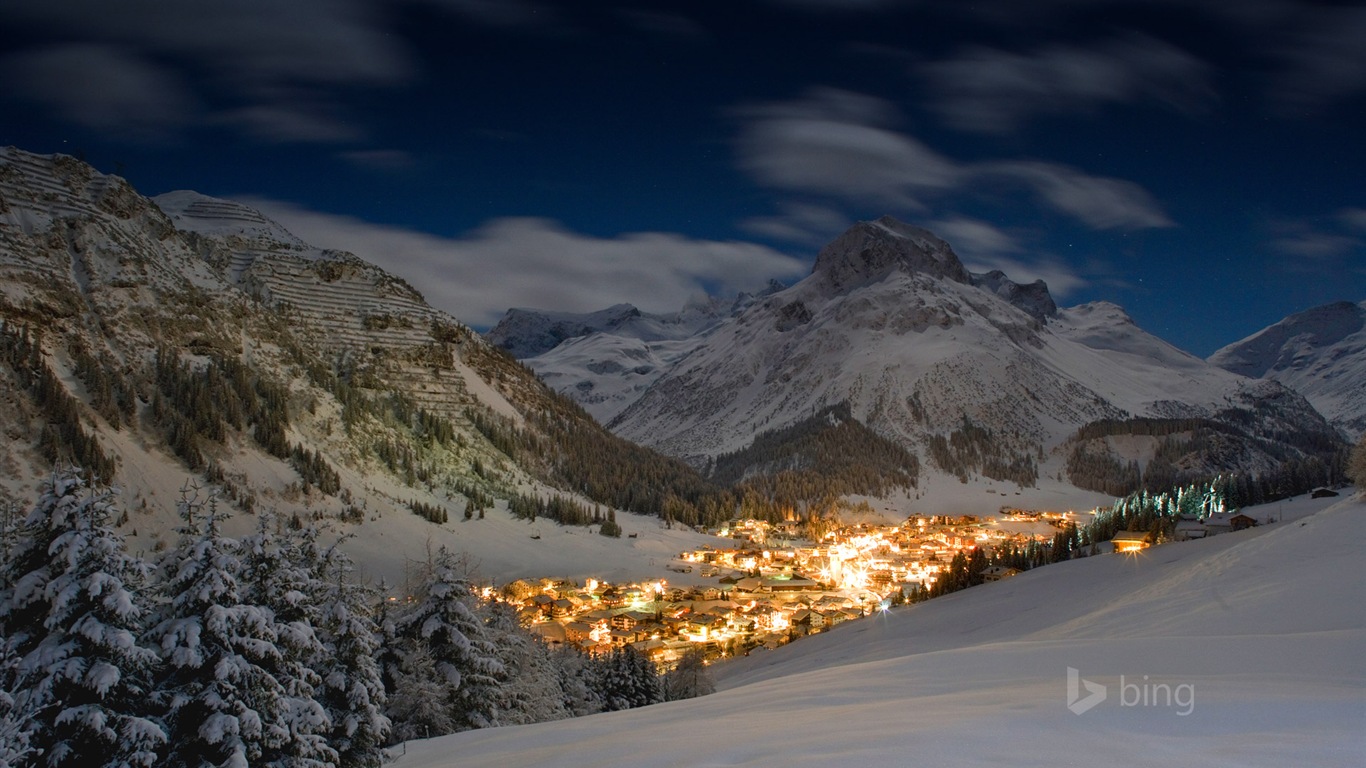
1320, 353
977, 375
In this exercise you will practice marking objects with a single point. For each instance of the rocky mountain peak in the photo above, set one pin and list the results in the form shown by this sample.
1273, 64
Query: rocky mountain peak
870, 250
1033, 298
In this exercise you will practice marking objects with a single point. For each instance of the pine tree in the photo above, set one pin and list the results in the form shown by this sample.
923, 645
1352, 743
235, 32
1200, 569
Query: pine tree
223, 706
418, 705
352, 686
466, 662
71, 610
531, 690
16, 714
630, 681
580, 686
279, 567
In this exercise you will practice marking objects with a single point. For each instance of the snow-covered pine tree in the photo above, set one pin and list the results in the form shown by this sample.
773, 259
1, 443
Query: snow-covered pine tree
630, 681
689, 679
223, 706
352, 688
530, 692
16, 716
418, 703
71, 609
580, 685
280, 572
446, 622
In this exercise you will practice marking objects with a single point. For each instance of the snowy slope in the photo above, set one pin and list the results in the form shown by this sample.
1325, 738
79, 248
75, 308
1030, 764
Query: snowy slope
890, 322
526, 333
606, 372
1256, 635
606, 360
1321, 353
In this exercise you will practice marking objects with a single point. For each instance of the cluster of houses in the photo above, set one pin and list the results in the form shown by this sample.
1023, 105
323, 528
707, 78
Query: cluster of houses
772, 587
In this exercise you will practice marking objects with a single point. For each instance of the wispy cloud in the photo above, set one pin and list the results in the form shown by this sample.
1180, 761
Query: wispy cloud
1353, 218
989, 90
1098, 202
103, 87
534, 262
975, 238
840, 143
845, 145
276, 71
801, 223
1324, 56
1327, 244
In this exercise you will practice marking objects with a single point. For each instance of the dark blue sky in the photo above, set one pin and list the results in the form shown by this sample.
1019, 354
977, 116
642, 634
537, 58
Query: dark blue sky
1200, 163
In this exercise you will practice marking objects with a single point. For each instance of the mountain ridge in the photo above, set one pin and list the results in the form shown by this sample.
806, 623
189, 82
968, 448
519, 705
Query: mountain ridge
205, 346
1320, 352
890, 324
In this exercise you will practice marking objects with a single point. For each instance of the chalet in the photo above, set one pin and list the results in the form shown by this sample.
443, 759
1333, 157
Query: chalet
578, 631
1189, 528
625, 621
998, 572
654, 650
1225, 523
543, 602
1130, 541
812, 620
845, 614
701, 628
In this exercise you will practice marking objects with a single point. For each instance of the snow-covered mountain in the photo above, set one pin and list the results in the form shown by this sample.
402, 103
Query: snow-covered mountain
1320, 353
891, 323
606, 360
191, 340
1242, 649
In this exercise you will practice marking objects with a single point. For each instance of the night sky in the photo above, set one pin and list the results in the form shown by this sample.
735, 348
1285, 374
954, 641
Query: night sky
1200, 163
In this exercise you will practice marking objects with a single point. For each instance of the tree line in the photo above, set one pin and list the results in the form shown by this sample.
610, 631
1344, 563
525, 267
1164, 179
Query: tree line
63, 437
971, 448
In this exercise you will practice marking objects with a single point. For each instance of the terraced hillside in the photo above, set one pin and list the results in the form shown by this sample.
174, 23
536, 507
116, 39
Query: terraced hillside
189, 340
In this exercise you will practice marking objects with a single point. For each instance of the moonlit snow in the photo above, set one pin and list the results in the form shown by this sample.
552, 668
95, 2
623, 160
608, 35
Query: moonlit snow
1241, 650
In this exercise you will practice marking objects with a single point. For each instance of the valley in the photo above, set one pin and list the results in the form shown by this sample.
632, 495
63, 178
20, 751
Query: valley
800, 462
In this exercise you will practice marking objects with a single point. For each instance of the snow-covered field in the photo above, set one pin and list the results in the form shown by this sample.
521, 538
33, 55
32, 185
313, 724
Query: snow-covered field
1244, 649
